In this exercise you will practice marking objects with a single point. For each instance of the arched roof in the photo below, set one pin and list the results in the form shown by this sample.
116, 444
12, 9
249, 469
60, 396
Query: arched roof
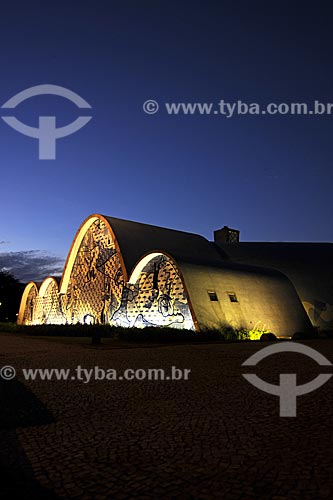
137, 269
201, 265
46, 283
133, 240
24, 298
136, 240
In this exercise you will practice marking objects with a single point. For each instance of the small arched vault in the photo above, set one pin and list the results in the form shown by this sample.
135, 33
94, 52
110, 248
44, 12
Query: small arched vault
40, 303
158, 294
28, 304
131, 274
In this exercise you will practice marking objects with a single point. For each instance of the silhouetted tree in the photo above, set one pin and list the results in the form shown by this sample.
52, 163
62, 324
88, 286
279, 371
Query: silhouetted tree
10, 296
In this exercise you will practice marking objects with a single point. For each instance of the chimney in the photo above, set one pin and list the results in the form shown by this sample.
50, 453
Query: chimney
226, 235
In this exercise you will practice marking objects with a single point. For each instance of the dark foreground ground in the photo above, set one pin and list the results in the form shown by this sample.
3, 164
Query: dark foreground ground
213, 436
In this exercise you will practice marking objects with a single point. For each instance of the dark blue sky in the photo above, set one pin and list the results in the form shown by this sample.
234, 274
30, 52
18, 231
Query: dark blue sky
270, 177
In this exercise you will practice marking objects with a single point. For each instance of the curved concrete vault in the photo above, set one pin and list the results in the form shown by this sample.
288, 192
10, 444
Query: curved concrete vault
97, 287
131, 274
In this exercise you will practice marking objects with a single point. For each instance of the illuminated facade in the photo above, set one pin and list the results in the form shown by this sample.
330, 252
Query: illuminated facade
94, 289
134, 275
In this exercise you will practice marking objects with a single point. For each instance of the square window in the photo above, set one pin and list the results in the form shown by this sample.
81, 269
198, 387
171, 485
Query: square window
213, 296
232, 297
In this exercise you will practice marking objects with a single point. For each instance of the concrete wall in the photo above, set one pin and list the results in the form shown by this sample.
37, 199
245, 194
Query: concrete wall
265, 301
307, 265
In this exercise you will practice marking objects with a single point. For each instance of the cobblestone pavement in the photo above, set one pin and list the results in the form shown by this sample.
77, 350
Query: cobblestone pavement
213, 436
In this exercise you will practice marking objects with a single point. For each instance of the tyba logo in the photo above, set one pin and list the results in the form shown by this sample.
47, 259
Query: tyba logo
287, 390
47, 133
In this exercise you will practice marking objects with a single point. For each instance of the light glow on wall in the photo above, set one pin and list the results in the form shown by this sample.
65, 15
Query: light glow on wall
158, 294
93, 289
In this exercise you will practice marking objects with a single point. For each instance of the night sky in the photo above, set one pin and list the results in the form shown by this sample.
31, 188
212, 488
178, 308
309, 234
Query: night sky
269, 176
